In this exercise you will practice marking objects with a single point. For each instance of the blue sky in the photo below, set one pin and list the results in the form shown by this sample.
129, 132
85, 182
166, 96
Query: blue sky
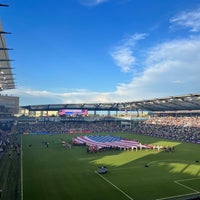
90, 51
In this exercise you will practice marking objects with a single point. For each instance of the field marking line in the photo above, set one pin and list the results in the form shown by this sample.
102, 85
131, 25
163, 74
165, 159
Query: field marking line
124, 193
185, 186
189, 179
177, 182
22, 197
171, 197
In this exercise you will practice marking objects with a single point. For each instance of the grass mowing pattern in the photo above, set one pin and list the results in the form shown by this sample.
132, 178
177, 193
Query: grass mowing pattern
10, 176
59, 173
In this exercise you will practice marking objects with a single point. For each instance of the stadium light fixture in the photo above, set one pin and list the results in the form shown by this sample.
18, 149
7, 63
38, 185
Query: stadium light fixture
6, 68
4, 5
7, 74
4, 49
5, 60
3, 68
7, 79
5, 32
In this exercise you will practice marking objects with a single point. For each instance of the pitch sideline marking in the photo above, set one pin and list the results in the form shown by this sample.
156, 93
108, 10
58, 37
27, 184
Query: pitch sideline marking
171, 197
177, 182
124, 193
189, 179
22, 197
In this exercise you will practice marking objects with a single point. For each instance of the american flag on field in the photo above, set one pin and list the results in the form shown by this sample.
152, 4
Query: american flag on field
107, 141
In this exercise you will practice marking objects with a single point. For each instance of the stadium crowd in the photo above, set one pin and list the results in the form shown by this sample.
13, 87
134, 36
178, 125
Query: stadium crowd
186, 129
8, 141
63, 127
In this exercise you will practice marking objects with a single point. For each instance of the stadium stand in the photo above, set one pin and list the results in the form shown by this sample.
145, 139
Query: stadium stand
186, 129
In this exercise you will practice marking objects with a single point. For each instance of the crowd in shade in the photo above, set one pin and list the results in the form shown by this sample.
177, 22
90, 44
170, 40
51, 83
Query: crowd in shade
8, 141
5, 132
186, 129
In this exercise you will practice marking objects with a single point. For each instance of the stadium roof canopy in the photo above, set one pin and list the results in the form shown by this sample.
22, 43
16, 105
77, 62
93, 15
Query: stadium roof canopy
173, 103
6, 75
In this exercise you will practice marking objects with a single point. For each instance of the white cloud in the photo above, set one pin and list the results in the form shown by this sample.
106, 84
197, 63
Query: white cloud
123, 58
166, 64
35, 97
172, 68
123, 54
190, 19
92, 2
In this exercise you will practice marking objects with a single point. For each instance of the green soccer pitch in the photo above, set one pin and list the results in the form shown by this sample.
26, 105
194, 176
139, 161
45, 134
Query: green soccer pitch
57, 173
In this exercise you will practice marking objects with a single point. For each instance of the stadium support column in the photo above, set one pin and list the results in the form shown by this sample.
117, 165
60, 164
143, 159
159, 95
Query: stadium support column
109, 113
41, 113
95, 112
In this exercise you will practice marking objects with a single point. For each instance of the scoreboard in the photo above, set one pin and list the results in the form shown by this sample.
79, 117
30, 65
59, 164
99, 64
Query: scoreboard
73, 112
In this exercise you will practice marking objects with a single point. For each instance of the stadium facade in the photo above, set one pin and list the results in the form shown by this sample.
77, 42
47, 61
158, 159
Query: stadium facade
174, 104
9, 105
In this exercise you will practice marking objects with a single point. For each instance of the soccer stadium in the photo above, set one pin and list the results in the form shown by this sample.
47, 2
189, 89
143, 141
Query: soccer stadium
136, 150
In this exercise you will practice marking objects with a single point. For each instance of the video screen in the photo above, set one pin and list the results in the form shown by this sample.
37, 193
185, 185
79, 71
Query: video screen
75, 112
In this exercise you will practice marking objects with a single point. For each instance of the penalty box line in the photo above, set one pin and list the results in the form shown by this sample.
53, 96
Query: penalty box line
105, 179
185, 186
190, 179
